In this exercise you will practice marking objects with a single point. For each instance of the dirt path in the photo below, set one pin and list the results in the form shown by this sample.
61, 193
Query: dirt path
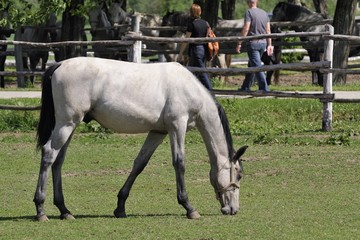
297, 79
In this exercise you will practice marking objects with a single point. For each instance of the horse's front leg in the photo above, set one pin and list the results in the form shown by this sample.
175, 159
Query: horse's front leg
153, 140
177, 140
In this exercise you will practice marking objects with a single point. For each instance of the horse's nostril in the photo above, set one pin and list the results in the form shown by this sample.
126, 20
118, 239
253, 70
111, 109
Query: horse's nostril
233, 212
226, 210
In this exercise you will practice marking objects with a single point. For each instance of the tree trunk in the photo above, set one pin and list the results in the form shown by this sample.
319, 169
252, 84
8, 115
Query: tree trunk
228, 9
343, 23
72, 29
321, 7
123, 4
210, 10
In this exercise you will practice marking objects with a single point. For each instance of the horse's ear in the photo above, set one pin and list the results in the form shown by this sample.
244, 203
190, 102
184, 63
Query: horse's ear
239, 153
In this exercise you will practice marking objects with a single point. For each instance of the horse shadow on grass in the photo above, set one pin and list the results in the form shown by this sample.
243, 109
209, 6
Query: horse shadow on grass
90, 216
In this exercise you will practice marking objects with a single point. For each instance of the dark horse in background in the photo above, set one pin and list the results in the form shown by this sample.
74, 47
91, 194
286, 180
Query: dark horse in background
5, 32
174, 19
106, 24
181, 19
284, 11
56, 36
33, 56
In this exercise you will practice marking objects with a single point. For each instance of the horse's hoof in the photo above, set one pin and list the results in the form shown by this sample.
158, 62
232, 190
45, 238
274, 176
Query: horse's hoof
42, 218
193, 215
67, 216
120, 214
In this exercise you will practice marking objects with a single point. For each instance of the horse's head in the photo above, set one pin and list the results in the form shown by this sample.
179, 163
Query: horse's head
279, 12
177, 19
99, 24
285, 11
226, 183
117, 15
166, 20
94, 18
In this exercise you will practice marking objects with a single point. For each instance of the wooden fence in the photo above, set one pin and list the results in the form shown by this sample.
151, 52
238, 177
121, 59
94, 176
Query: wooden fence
133, 41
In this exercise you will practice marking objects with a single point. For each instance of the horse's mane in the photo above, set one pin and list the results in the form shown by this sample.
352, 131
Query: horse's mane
226, 128
177, 18
181, 19
294, 10
294, 7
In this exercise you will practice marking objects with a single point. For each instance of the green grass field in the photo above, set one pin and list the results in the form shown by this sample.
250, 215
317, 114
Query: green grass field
299, 183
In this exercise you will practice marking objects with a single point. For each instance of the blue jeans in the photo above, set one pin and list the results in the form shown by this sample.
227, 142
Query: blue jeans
255, 50
197, 59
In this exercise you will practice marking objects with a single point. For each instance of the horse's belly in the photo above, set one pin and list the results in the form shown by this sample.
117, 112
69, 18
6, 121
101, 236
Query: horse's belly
129, 124
132, 127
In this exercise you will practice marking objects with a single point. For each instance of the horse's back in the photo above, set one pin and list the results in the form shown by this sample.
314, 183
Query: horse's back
127, 97
236, 23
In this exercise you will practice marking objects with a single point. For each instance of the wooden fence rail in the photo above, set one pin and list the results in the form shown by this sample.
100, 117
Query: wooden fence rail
286, 66
327, 97
136, 37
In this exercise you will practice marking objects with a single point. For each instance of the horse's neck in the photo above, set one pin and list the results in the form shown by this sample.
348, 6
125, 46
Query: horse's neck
304, 15
311, 16
104, 22
214, 138
182, 19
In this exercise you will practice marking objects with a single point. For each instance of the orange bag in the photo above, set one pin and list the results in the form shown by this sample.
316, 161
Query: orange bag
213, 47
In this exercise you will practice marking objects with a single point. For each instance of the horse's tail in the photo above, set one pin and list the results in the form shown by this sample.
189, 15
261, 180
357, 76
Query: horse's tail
47, 113
226, 128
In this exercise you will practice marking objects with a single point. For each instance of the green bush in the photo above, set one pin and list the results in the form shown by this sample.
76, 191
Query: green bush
293, 56
259, 120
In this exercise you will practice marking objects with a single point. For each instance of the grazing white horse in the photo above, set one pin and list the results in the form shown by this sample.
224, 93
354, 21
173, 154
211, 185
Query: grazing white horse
161, 99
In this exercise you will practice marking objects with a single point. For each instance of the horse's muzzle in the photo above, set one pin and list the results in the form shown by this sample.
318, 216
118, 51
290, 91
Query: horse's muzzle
228, 210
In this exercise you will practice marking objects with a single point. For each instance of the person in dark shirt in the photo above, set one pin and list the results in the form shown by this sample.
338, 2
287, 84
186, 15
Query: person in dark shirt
197, 51
256, 22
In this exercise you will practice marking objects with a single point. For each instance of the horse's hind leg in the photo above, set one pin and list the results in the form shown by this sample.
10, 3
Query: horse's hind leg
34, 60
49, 155
153, 140
57, 183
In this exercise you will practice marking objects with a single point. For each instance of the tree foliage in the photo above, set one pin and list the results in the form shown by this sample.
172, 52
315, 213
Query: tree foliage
35, 12
29, 12
32, 12
159, 7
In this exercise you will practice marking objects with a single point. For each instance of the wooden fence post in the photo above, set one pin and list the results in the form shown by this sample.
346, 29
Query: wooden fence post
134, 54
19, 59
328, 81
